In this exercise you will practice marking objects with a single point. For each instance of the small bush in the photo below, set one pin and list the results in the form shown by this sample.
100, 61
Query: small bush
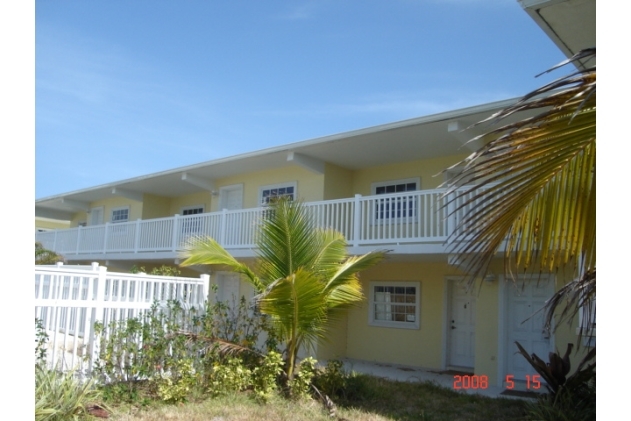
230, 376
300, 385
333, 380
265, 376
61, 396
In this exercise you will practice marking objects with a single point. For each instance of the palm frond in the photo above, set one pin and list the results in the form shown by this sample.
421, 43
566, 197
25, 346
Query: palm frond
207, 251
286, 240
535, 184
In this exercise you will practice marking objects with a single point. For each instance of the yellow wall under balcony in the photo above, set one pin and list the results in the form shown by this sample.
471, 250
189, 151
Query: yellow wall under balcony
426, 169
197, 199
417, 347
50, 224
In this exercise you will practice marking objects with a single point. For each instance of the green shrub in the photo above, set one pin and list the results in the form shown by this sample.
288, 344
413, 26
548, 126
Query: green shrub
333, 380
230, 376
265, 376
300, 385
173, 351
178, 384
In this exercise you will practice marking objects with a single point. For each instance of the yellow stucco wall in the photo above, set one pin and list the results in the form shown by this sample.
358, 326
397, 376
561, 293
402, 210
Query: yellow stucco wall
50, 224
338, 183
196, 199
155, 206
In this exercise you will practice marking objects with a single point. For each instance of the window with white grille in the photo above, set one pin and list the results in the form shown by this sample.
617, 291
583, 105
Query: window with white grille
395, 304
267, 194
120, 214
192, 210
398, 206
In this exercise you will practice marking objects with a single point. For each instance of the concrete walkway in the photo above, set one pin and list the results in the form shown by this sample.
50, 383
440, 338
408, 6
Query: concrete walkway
416, 374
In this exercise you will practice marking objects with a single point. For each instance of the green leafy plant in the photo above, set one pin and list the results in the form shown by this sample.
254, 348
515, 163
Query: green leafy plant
300, 385
332, 380
230, 376
41, 341
265, 376
46, 257
178, 384
172, 352
61, 396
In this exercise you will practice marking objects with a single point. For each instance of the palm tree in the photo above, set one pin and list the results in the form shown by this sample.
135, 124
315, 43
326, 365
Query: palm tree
532, 190
305, 277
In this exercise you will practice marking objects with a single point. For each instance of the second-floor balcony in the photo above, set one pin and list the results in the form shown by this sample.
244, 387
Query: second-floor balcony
410, 222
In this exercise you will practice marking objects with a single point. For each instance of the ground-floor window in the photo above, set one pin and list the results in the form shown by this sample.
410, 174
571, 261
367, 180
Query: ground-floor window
395, 304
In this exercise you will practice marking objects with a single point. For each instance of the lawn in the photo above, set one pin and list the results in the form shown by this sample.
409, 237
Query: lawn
366, 398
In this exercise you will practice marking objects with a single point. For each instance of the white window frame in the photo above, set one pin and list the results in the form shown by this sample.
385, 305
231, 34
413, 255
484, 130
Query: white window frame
264, 201
387, 206
119, 208
374, 301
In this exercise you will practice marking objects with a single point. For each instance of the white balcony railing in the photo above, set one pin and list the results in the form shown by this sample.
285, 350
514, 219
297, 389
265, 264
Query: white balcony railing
401, 218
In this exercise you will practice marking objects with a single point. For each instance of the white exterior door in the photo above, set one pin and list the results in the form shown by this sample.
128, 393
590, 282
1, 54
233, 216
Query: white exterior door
521, 304
461, 325
231, 197
96, 216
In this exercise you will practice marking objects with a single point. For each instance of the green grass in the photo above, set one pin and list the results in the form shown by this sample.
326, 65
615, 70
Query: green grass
366, 398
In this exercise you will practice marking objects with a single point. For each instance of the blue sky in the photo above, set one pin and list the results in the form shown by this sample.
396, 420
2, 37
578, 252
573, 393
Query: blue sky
126, 88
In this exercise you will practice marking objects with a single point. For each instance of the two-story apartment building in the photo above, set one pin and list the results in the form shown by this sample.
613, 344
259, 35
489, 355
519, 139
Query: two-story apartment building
379, 186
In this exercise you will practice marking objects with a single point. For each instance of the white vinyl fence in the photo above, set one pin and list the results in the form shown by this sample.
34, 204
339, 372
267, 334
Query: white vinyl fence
69, 300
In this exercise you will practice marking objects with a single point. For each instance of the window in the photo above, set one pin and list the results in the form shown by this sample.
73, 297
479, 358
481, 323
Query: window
398, 206
120, 214
192, 224
395, 304
193, 210
268, 194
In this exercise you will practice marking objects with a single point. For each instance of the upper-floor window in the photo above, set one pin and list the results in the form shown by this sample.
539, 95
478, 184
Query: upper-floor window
192, 225
268, 194
193, 210
398, 206
120, 214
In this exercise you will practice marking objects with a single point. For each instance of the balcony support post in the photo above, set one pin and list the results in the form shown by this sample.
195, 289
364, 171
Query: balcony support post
107, 229
78, 239
175, 230
137, 236
222, 227
357, 220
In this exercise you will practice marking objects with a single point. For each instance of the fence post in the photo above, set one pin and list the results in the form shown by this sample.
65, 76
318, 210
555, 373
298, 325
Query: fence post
357, 220
98, 309
206, 286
